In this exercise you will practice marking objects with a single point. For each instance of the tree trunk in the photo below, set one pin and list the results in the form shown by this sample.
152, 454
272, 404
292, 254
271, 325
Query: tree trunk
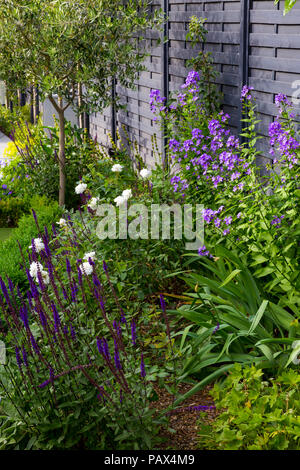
62, 158
79, 91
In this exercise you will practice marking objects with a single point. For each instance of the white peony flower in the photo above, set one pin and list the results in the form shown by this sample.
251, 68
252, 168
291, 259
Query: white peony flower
126, 194
62, 222
91, 255
93, 203
86, 268
34, 268
39, 245
145, 173
116, 168
119, 200
80, 188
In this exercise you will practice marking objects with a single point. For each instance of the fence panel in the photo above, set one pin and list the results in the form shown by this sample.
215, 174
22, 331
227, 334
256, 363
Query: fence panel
251, 43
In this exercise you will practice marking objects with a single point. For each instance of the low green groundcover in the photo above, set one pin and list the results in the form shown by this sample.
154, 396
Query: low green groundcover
5, 233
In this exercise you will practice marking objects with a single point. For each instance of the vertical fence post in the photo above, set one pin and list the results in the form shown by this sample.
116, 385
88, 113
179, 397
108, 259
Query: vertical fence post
244, 52
165, 74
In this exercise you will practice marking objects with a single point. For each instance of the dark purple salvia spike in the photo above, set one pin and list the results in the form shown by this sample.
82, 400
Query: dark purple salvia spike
164, 310
73, 332
96, 281
46, 233
34, 345
54, 230
143, 370
51, 374
18, 357
34, 290
55, 317
34, 255
99, 346
105, 268
24, 354
65, 294
79, 276
133, 332
43, 319
162, 303
68, 264
29, 297
40, 279
216, 328
5, 291
117, 327
35, 219
117, 357
105, 349
11, 286
24, 316
96, 293
65, 330
47, 249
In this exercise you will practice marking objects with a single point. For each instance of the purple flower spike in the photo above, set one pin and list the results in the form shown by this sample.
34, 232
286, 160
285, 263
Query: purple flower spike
143, 370
105, 268
55, 317
133, 332
162, 303
117, 357
24, 354
18, 357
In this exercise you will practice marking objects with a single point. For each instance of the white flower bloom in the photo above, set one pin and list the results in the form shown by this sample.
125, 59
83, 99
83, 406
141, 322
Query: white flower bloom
86, 268
145, 173
45, 277
34, 268
80, 188
93, 203
116, 168
119, 200
39, 245
126, 194
91, 255
62, 222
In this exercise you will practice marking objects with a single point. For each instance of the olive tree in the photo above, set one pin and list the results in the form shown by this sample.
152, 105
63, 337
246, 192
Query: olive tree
64, 46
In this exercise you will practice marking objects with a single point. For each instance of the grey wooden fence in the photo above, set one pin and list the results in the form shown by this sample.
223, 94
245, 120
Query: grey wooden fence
251, 43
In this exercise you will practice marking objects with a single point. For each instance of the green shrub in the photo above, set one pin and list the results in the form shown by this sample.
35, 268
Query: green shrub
11, 210
255, 414
11, 264
9, 119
